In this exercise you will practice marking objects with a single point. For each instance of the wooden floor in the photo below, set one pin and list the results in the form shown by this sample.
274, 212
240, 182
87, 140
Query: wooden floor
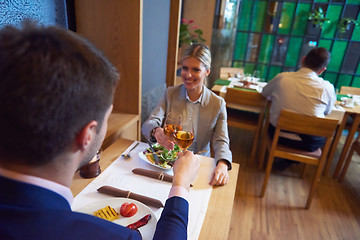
334, 212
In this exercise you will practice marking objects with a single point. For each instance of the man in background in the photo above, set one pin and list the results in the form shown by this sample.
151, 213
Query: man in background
55, 99
303, 92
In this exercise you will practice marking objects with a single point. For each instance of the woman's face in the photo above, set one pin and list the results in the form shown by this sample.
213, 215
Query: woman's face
193, 73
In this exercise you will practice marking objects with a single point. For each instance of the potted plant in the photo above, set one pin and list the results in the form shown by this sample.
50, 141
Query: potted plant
345, 24
189, 33
317, 17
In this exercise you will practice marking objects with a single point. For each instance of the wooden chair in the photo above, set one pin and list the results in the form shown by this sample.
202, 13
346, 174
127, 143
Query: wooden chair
349, 90
226, 72
246, 109
290, 121
355, 147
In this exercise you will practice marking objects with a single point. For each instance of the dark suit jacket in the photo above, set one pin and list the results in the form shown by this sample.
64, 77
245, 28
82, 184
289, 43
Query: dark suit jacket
31, 212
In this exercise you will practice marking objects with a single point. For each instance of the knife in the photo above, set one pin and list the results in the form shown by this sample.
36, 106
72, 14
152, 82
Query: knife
153, 152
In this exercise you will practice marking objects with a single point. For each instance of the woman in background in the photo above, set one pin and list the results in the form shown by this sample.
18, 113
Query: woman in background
208, 112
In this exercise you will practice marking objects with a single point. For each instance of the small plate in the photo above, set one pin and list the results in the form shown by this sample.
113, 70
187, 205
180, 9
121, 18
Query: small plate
143, 157
147, 231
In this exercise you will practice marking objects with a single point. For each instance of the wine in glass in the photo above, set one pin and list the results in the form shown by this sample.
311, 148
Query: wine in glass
185, 137
172, 125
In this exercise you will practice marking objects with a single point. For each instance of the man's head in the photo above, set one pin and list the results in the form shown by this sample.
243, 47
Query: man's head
53, 83
317, 59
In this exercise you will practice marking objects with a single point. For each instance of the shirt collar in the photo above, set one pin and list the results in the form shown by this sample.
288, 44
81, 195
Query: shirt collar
40, 182
199, 100
309, 72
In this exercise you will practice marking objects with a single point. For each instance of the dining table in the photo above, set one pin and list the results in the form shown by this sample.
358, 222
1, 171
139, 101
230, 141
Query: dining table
210, 207
353, 112
220, 85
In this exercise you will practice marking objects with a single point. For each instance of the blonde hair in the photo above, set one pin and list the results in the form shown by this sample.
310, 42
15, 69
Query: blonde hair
200, 52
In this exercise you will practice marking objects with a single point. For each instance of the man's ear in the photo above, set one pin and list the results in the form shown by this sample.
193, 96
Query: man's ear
86, 135
321, 71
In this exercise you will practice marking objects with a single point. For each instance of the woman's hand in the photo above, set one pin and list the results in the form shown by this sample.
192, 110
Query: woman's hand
162, 139
220, 175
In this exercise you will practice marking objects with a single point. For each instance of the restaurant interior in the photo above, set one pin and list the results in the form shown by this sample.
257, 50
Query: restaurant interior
143, 39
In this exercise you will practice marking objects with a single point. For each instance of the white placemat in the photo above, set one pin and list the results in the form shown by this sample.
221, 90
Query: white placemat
119, 174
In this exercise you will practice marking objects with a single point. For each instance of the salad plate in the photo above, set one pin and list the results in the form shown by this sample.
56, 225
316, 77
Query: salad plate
166, 157
147, 231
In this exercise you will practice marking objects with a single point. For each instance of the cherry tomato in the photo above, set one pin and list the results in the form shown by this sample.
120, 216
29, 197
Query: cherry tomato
128, 209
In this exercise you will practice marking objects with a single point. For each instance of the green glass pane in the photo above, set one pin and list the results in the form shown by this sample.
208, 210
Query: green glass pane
286, 19
274, 71
358, 69
258, 17
356, 82
356, 34
333, 13
263, 71
240, 46
238, 64
337, 55
325, 43
344, 80
249, 68
331, 77
353, 1
293, 52
321, 1
245, 15
266, 48
301, 16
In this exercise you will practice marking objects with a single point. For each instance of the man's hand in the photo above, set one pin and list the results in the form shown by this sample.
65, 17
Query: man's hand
185, 170
162, 139
220, 175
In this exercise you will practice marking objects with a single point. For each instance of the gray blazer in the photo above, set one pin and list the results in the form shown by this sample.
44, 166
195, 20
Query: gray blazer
212, 124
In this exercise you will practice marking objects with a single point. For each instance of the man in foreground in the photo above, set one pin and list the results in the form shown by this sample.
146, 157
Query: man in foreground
56, 96
303, 92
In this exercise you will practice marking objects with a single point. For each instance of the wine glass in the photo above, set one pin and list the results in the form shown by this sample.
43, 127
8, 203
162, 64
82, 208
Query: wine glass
256, 76
172, 125
185, 137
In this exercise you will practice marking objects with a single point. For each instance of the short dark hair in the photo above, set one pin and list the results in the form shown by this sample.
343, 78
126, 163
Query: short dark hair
317, 58
53, 83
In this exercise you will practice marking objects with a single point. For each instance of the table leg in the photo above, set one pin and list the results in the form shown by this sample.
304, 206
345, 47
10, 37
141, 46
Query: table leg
347, 145
334, 144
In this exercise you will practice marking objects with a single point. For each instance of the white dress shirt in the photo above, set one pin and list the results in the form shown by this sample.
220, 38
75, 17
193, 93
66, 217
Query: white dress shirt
192, 110
40, 182
302, 92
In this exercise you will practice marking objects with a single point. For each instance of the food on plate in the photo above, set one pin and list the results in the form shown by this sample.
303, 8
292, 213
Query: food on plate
107, 213
142, 222
166, 157
128, 209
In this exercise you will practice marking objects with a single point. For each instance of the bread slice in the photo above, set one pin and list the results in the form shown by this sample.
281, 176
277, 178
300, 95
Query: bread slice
107, 213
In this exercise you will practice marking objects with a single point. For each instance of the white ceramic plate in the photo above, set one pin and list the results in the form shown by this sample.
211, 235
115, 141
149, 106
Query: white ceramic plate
143, 157
146, 231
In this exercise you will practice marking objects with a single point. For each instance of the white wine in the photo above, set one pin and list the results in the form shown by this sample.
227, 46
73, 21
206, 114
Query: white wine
171, 129
184, 139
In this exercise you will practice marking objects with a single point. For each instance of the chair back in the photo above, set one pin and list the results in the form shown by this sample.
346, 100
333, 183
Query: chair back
226, 72
240, 97
349, 90
303, 124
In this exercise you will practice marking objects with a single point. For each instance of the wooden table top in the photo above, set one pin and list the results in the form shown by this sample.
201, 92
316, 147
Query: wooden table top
218, 216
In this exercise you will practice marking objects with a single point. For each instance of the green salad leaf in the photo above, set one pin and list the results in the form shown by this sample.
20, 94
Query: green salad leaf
170, 155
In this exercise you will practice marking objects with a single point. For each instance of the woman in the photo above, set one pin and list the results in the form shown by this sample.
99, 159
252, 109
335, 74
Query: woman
207, 110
